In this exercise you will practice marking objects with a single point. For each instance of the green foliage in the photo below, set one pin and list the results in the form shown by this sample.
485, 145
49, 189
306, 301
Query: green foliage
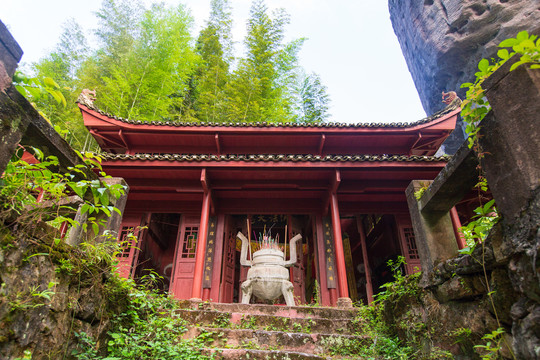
146, 330
314, 100
33, 298
491, 349
475, 106
222, 321
477, 230
36, 88
160, 62
383, 344
268, 84
474, 109
248, 322
63, 65
24, 182
370, 321
147, 67
26, 356
401, 286
420, 192
377, 321
211, 77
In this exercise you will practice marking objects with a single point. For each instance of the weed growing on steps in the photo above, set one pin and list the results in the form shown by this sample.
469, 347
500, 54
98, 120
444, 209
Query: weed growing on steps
380, 341
145, 330
248, 322
222, 321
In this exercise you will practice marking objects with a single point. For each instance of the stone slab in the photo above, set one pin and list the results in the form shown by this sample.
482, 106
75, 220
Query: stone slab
274, 310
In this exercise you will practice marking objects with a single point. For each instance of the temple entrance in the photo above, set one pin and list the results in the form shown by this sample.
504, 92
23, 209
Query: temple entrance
280, 228
168, 242
154, 253
386, 237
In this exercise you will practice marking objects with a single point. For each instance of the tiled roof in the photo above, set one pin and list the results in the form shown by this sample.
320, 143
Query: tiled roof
274, 158
428, 119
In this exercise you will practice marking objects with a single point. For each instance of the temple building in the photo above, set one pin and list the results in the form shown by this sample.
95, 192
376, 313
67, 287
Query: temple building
194, 186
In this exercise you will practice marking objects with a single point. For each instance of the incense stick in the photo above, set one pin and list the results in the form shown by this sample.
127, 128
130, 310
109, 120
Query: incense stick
249, 240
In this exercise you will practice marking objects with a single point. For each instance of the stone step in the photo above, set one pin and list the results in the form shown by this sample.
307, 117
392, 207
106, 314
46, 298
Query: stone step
309, 324
314, 343
257, 354
274, 310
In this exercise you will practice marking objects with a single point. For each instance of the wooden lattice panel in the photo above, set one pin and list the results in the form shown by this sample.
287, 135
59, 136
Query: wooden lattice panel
189, 245
411, 243
124, 242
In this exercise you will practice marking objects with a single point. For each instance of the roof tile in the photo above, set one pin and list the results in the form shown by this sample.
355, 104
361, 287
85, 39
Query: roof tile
428, 119
273, 157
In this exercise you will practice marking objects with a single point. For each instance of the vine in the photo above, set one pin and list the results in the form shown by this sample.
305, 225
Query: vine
474, 108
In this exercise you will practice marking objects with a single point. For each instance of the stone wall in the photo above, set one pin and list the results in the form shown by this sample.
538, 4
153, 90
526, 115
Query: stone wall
50, 293
443, 41
452, 312
507, 263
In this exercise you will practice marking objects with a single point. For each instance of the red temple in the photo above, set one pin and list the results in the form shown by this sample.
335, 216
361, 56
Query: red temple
194, 186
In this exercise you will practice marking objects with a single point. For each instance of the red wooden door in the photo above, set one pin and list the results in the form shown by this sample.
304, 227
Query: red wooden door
127, 260
407, 243
226, 292
297, 271
184, 261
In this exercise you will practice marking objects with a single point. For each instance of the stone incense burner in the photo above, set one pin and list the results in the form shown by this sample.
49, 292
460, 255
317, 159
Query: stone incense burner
268, 277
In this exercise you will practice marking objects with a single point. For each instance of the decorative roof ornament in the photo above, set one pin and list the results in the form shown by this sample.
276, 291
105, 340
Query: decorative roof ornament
451, 99
87, 97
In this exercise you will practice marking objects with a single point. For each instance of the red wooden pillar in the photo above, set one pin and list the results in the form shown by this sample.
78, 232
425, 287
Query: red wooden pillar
369, 286
338, 243
456, 224
196, 292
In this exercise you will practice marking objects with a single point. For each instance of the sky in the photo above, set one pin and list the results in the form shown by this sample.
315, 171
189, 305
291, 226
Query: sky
350, 44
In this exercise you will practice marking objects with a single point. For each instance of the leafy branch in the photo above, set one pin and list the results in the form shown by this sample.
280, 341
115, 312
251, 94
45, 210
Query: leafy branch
475, 106
474, 109
36, 88
25, 182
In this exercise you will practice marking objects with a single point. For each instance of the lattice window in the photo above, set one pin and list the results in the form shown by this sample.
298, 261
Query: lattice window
190, 242
231, 248
124, 241
411, 243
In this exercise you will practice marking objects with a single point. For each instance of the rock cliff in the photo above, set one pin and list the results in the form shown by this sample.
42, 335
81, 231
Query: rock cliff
443, 40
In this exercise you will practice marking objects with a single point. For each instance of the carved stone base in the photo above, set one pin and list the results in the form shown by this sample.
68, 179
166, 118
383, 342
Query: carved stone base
344, 302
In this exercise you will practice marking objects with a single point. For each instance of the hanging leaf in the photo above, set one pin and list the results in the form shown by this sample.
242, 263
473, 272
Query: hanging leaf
50, 82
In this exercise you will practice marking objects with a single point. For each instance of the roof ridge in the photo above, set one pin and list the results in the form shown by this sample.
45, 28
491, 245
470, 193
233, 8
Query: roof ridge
274, 157
427, 119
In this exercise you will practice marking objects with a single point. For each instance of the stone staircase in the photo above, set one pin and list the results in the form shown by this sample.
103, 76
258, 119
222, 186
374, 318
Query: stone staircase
237, 331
